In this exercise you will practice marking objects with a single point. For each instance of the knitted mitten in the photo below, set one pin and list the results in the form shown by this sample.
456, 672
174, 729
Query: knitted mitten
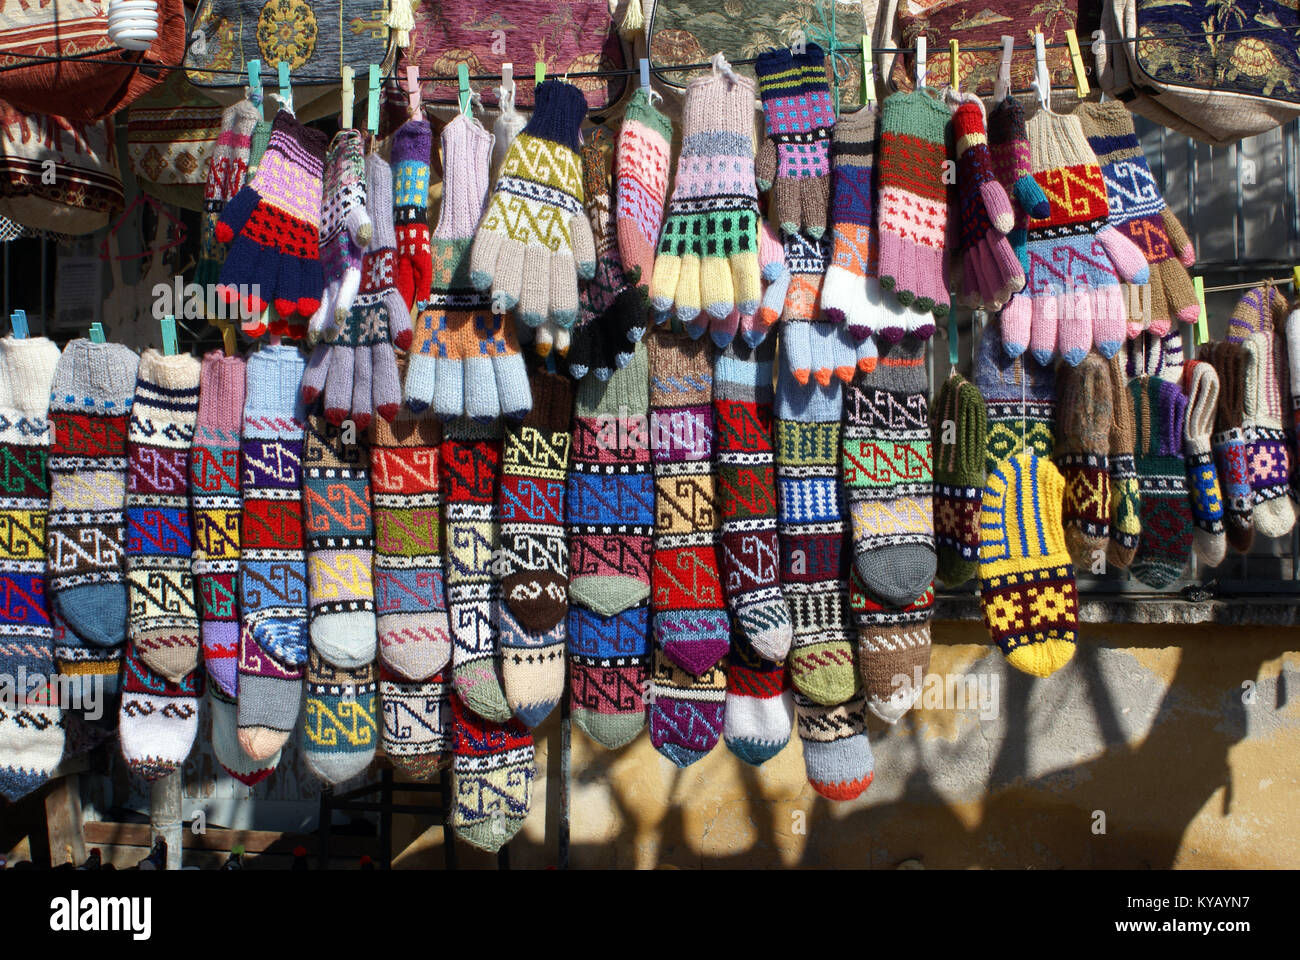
1020, 395
641, 172
158, 718
1152, 355
346, 229
1229, 443
759, 710
417, 729
338, 729
837, 755
793, 161
1125, 492
412, 147
492, 771
959, 421
1160, 409
1208, 538
1027, 590
1082, 454
893, 649
227, 167
1013, 166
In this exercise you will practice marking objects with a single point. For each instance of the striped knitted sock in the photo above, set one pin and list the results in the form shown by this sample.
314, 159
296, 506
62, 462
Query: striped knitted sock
340, 540
686, 711
1125, 496
811, 537
893, 649
31, 726
410, 594
759, 710
214, 502
609, 670
158, 718
960, 422
1020, 394
641, 174
1229, 443
273, 560
225, 740
837, 755
742, 405
164, 623
471, 469
494, 771
889, 475
1082, 455
339, 732
1160, 409
417, 721
1208, 539
90, 404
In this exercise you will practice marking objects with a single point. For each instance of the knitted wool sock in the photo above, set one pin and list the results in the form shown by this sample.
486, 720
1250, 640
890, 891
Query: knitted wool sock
609, 671
759, 710
960, 421
31, 725
340, 537
837, 755
1082, 455
273, 560
410, 594
339, 733
1292, 401
1266, 449
810, 527
742, 405
164, 623
1125, 495
417, 721
214, 503
1260, 310
158, 719
893, 649
90, 403
471, 469
1208, 537
889, 475
691, 624
1153, 355
686, 711
225, 741
532, 666
1229, 443
1027, 590
1020, 394
493, 770
641, 175
1160, 409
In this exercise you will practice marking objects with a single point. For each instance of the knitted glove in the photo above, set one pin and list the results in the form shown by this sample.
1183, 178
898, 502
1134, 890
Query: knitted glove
644, 148
1012, 163
812, 347
535, 241
990, 271
1072, 297
273, 228
346, 229
708, 251
793, 161
912, 209
1208, 537
465, 358
412, 147
227, 168
776, 280
357, 372
1139, 212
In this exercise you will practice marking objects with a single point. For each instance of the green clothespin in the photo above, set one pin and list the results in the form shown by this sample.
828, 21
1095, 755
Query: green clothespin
96, 333
168, 324
539, 72
463, 95
18, 323
255, 83
286, 91
372, 100
1201, 332
953, 339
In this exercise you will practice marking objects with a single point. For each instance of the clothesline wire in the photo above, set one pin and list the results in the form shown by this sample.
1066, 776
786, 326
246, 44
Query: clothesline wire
1249, 286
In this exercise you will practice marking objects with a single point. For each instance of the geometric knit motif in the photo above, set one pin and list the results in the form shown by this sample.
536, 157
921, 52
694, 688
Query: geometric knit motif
836, 752
417, 721
1125, 498
1267, 450
1160, 409
893, 644
339, 732
158, 719
1229, 442
760, 712
794, 160
641, 171
1082, 455
1020, 394
493, 777
1202, 479
959, 421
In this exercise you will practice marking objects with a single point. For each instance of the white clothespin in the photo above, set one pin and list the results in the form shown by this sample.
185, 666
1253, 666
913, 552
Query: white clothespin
1002, 88
506, 92
413, 89
644, 67
347, 97
920, 62
1098, 52
1042, 80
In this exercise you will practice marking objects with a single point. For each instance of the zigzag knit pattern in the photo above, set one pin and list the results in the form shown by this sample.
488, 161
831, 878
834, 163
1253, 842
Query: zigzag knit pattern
1160, 408
1020, 395
158, 719
338, 728
538, 193
417, 721
493, 773
893, 649
641, 175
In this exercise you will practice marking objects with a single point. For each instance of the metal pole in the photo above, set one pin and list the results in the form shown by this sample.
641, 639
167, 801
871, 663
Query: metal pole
165, 816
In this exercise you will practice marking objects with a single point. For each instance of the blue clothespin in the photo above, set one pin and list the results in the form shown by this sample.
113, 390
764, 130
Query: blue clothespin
645, 73
372, 100
255, 82
96, 333
286, 91
168, 324
18, 322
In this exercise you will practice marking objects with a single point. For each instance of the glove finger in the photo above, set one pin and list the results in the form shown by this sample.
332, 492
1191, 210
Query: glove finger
723, 331
686, 301
449, 388
1129, 261
746, 280
627, 314
844, 351
514, 396
1017, 322
361, 409
584, 246
405, 279
821, 344
263, 275
1180, 295
719, 297
1159, 322
418, 386
769, 310
1108, 320
582, 350
663, 286
563, 290
316, 374
398, 326
386, 386
318, 327
1042, 328
544, 339
535, 297
338, 386
866, 354
814, 198
1182, 243
765, 165
490, 254
563, 340
796, 347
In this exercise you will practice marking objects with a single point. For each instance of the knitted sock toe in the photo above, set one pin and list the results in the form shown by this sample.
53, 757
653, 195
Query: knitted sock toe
837, 755
339, 732
759, 711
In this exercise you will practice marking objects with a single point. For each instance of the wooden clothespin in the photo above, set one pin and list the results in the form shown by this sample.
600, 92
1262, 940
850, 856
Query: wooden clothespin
228, 341
255, 83
1042, 80
954, 66
413, 89
1002, 88
168, 325
644, 66
96, 333
1076, 61
1201, 332
920, 62
18, 324
868, 71
347, 98
372, 100
463, 94
286, 90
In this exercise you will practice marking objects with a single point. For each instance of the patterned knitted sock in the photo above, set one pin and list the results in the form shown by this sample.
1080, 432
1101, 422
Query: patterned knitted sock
273, 560
1266, 449
225, 741
691, 624
1229, 442
90, 404
641, 174
811, 536
609, 672
893, 649
410, 595
164, 623
960, 422
214, 502
1160, 409
1027, 589
889, 475
532, 666
339, 732
494, 771
1260, 310
837, 755
742, 404
340, 539
1154, 355
1082, 454
759, 710
686, 711
1125, 495
417, 721
471, 469
1020, 394
31, 725
158, 719
1208, 537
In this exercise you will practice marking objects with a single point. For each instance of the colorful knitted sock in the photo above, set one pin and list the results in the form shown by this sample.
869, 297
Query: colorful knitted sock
417, 721
1229, 443
1027, 589
888, 475
609, 671
164, 623
90, 404
837, 755
1260, 310
532, 666
641, 174
273, 560
339, 732
759, 710
686, 711
410, 594
742, 405
225, 741
1125, 495
1082, 453
810, 527
471, 470
214, 503
1020, 394
158, 718
893, 649
1291, 402
1208, 537
1266, 449
340, 538
493, 770
31, 725
960, 422
691, 624
1159, 409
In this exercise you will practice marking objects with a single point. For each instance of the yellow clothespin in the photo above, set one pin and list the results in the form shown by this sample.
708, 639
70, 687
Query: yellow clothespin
1076, 61
413, 89
954, 66
168, 324
868, 71
463, 96
1295, 278
96, 333
1201, 332
286, 91
920, 62
347, 98
372, 100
